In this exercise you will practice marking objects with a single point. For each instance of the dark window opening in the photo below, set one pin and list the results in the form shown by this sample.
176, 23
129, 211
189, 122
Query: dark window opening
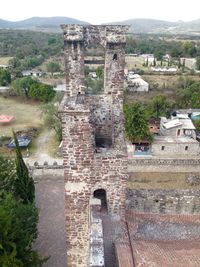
178, 132
163, 148
75, 57
101, 194
104, 142
186, 148
115, 56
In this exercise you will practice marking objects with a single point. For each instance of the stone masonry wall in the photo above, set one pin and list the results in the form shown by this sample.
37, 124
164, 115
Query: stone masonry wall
164, 201
85, 170
164, 164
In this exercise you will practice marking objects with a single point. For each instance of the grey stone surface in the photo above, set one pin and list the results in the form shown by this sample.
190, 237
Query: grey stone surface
52, 237
164, 201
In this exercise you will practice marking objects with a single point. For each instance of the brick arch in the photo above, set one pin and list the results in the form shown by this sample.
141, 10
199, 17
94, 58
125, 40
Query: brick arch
103, 186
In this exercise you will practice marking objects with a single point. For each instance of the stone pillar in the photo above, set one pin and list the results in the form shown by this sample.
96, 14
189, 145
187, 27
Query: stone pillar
114, 80
84, 170
78, 150
74, 59
114, 60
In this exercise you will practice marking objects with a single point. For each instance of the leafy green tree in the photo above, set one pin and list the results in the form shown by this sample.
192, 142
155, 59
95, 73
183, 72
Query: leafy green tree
190, 48
42, 92
7, 174
189, 97
5, 77
18, 221
51, 117
53, 67
100, 72
22, 86
197, 125
198, 63
159, 106
136, 123
18, 231
86, 70
24, 184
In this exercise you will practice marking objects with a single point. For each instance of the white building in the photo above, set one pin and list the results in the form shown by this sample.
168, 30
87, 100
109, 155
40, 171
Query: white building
190, 63
177, 136
136, 83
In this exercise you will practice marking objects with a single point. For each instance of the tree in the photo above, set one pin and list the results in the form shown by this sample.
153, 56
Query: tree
198, 63
189, 97
18, 221
100, 72
22, 86
53, 67
136, 123
18, 231
7, 174
42, 92
5, 77
190, 48
51, 117
159, 106
24, 184
154, 62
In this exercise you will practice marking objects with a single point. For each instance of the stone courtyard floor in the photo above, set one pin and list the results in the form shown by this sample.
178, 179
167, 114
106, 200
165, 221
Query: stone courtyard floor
51, 240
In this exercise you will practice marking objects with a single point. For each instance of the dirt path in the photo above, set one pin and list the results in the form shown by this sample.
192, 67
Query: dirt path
41, 155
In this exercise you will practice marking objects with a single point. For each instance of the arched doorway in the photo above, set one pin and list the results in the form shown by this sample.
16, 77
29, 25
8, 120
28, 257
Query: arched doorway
101, 194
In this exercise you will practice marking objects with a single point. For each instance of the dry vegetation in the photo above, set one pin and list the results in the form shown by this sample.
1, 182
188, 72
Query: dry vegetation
159, 180
5, 60
159, 84
27, 115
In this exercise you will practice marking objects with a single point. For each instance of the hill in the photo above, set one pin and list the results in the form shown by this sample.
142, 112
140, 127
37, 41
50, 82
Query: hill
137, 25
40, 23
161, 26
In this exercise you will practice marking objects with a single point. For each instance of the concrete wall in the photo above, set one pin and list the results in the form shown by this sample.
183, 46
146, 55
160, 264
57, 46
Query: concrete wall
175, 148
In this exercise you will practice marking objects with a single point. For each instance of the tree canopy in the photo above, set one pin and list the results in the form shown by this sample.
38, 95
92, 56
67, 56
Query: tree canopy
189, 97
32, 88
5, 77
18, 215
159, 106
136, 123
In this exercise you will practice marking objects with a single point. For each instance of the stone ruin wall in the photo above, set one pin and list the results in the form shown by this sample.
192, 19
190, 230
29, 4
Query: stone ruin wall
164, 201
82, 117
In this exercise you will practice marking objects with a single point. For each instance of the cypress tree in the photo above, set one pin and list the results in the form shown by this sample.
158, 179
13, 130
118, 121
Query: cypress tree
24, 184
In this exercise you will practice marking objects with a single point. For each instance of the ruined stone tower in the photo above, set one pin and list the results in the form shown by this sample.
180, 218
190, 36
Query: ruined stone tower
93, 134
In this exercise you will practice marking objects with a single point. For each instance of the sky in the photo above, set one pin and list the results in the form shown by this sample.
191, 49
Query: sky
101, 11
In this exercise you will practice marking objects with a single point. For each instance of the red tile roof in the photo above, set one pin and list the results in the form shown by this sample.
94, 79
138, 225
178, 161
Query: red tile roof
157, 240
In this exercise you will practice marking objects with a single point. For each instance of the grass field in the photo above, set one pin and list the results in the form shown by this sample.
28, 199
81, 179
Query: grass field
27, 115
159, 180
159, 84
4, 60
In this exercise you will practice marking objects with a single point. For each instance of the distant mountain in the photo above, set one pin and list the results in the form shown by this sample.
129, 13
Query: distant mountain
145, 25
137, 25
161, 26
39, 23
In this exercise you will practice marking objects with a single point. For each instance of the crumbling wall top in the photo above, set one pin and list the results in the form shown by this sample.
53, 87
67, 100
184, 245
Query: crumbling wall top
100, 34
73, 32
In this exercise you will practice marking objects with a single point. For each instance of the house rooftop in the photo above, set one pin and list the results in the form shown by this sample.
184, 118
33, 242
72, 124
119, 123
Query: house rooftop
172, 123
174, 140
